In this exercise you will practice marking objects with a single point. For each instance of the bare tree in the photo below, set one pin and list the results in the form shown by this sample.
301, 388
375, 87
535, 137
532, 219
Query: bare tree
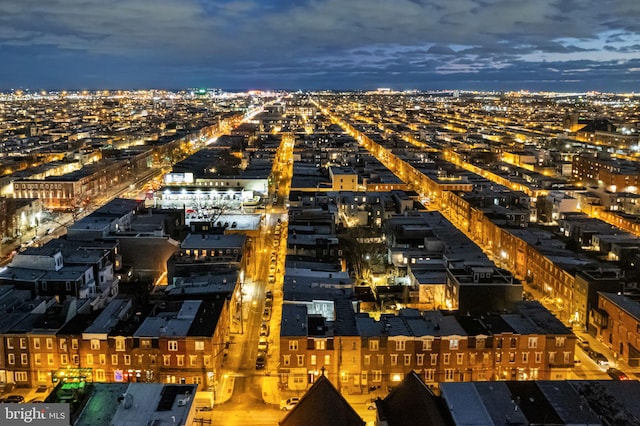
362, 248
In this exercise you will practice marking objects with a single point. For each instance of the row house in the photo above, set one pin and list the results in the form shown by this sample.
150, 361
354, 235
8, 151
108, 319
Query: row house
78, 188
517, 256
182, 342
199, 253
312, 346
33, 351
64, 268
616, 322
527, 344
524, 258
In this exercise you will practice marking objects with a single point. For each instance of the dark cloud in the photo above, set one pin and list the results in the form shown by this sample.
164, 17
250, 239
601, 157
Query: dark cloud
279, 43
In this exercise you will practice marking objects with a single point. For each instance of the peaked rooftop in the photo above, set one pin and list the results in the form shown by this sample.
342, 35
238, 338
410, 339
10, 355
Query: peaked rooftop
322, 405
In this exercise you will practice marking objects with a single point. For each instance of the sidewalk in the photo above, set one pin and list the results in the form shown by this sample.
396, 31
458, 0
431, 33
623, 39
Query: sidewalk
224, 390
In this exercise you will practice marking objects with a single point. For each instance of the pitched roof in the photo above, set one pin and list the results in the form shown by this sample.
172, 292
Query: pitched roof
412, 403
322, 405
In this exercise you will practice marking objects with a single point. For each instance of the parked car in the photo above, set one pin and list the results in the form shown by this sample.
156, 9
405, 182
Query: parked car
617, 374
289, 404
583, 343
597, 357
266, 314
14, 399
260, 360
262, 344
264, 329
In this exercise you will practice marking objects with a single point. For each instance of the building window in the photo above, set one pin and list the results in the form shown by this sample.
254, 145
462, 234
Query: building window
180, 360
286, 360
449, 374
374, 345
63, 344
320, 344
367, 360
207, 360
376, 376
327, 360
380, 359
567, 357
429, 375
20, 376
446, 358
480, 342
9, 342
49, 343
513, 343
74, 343
532, 342
560, 341
419, 359
120, 346
100, 376
11, 359
173, 345
166, 360
313, 360
525, 357
293, 345
114, 359
552, 357
127, 359
512, 357
95, 344
434, 359
300, 360
36, 343
534, 373
23, 343
400, 345
538, 357
75, 359
199, 345
50, 359
454, 344
89, 359
102, 359
407, 359
37, 359
394, 359
192, 360
459, 359
427, 344
24, 359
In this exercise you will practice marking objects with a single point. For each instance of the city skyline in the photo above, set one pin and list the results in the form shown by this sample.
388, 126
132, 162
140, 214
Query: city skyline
326, 44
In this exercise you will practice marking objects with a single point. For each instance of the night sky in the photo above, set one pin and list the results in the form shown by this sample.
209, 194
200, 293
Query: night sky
564, 45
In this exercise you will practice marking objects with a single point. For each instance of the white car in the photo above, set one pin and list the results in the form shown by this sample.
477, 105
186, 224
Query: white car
289, 404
